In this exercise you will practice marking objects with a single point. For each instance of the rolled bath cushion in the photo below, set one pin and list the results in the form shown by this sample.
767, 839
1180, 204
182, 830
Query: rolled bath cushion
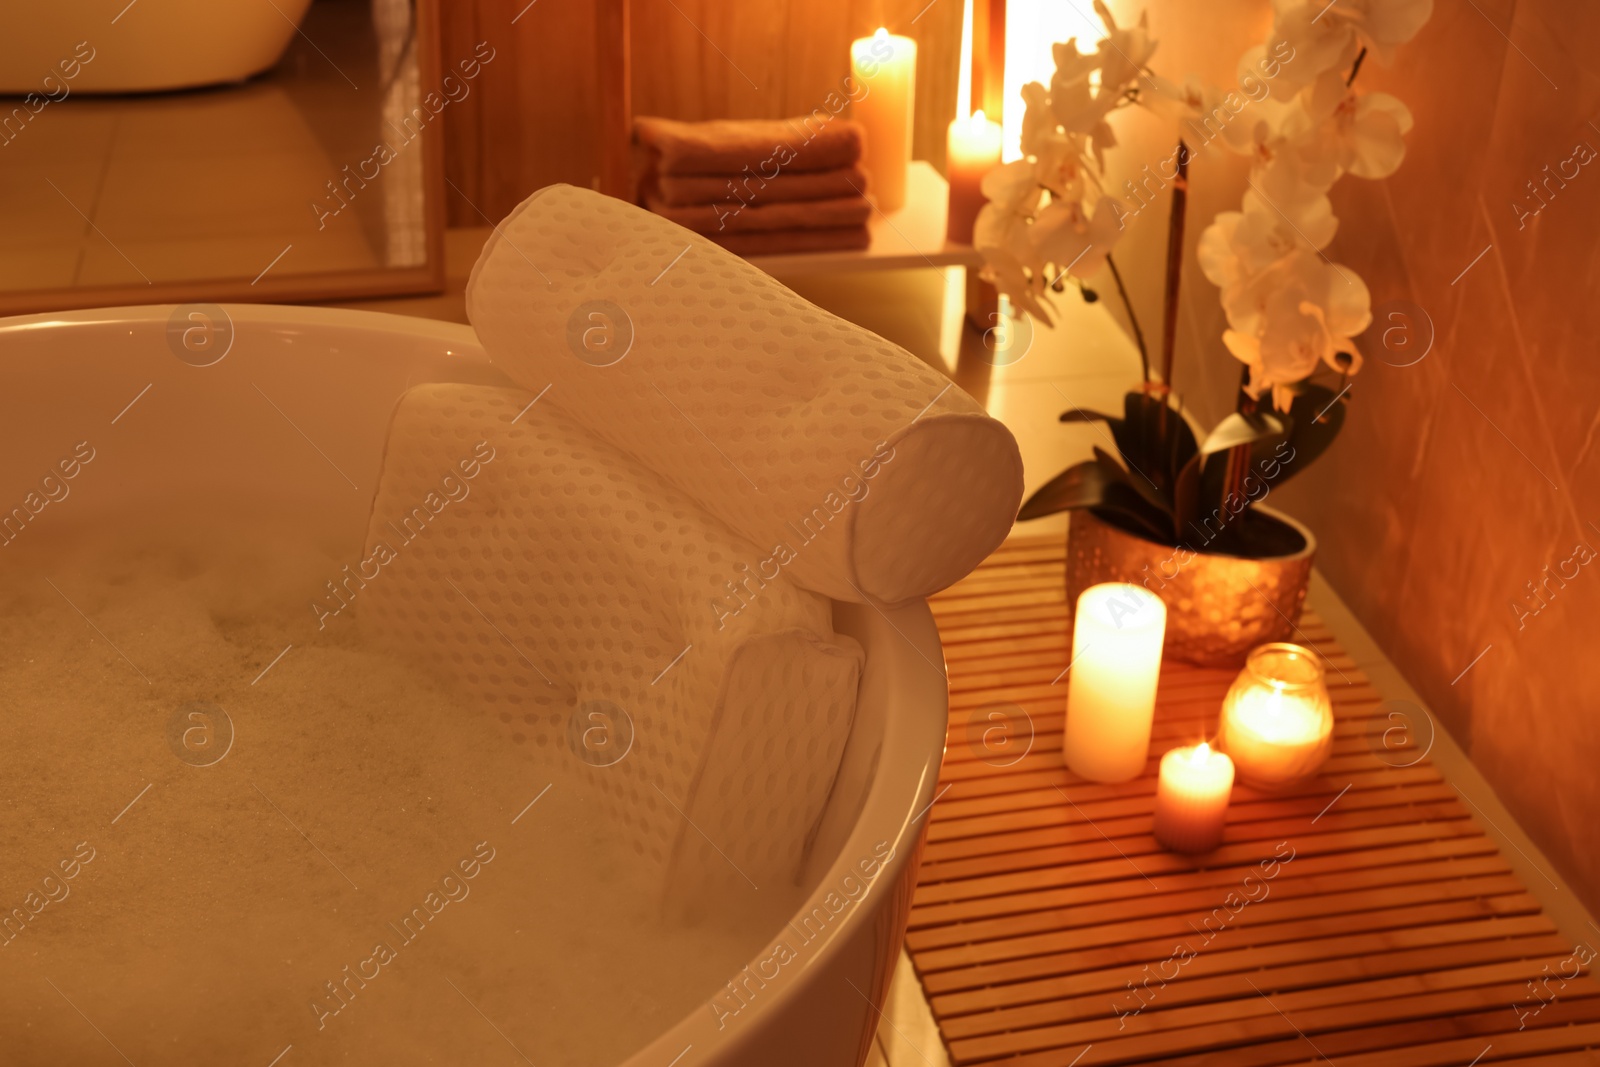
857, 469
607, 623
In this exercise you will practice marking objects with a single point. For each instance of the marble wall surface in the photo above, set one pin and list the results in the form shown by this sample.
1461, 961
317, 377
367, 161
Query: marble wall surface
1469, 462
1462, 477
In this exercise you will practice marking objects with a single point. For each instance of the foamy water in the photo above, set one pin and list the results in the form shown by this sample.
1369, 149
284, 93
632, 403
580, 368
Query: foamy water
216, 847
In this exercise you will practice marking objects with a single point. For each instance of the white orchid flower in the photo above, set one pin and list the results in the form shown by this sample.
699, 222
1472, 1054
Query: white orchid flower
1341, 130
1288, 182
1197, 108
1184, 102
1239, 245
1076, 241
1059, 167
1381, 26
1038, 120
1294, 316
1077, 108
1072, 65
1011, 188
1023, 283
1290, 310
1123, 54
1310, 44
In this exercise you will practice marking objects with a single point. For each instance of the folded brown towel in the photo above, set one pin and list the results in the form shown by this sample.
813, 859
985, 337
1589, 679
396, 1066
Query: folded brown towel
780, 242
732, 216
724, 147
750, 187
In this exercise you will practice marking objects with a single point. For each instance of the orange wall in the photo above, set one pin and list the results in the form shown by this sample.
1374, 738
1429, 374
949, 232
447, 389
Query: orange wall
1460, 478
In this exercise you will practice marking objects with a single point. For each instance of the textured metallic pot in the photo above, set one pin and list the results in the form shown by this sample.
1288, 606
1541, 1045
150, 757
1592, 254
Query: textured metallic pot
1218, 607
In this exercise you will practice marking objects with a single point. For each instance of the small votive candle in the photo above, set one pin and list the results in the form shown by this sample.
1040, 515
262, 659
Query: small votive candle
972, 150
1192, 798
1277, 719
1117, 632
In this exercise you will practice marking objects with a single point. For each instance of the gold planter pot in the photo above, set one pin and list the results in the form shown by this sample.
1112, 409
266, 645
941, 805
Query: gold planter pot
1218, 607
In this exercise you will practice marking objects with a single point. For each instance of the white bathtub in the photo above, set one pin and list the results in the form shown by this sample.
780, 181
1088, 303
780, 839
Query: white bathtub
84, 375
114, 46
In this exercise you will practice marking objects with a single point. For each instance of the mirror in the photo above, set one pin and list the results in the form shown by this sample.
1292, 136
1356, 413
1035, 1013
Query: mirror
257, 150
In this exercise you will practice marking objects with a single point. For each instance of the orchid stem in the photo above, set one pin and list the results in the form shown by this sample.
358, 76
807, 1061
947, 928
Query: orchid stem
1175, 223
1133, 317
1355, 69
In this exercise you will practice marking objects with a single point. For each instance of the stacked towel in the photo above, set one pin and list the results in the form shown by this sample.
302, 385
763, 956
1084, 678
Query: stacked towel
758, 187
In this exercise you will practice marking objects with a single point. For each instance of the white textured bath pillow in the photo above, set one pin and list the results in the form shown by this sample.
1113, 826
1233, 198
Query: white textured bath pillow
782, 718
768, 411
555, 579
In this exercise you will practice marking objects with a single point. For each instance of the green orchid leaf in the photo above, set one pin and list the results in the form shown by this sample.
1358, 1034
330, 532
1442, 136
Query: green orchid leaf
1102, 486
1085, 415
1315, 418
1182, 444
1208, 498
1128, 510
1140, 439
1081, 485
1259, 428
1135, 480
1154, 439
1186, 496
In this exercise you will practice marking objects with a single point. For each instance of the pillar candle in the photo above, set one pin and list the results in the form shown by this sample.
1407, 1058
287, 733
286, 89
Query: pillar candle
1192, 798
886, 66
1111, 688
973, 151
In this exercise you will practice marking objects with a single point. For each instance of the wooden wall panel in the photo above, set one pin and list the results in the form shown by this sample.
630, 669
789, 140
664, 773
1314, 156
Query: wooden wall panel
533, 117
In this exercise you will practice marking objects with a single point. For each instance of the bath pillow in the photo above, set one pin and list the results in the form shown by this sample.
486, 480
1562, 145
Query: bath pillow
858, 470
782, 717
589, 608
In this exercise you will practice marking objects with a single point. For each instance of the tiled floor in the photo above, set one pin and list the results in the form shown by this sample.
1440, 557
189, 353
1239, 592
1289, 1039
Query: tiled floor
908, 1037
124, 191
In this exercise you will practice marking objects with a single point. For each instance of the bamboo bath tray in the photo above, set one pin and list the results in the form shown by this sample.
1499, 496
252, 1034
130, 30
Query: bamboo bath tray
1363, 921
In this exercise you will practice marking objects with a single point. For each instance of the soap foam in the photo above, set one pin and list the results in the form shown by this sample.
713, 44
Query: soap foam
207, 923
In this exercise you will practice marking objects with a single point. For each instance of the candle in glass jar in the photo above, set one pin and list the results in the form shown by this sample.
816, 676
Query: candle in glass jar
885, 65
1192, 798
1111, 689
1277, 719
973, 151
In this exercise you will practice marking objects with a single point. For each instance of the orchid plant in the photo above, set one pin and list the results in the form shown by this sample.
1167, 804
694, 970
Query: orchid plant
1049, 214
1291, 311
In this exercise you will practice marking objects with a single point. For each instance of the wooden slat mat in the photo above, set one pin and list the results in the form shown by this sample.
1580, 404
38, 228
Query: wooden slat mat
1364, 921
